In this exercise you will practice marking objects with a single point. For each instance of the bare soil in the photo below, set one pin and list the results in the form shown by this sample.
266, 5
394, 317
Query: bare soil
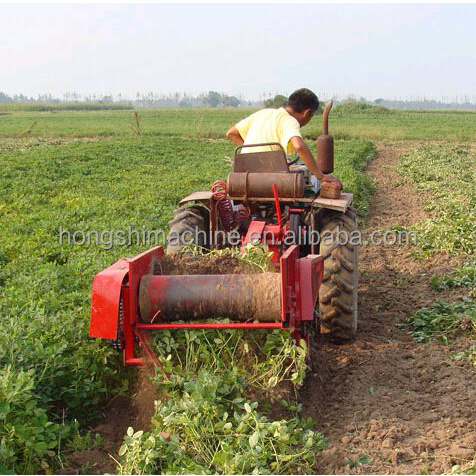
178, 264
135, 411
399, 406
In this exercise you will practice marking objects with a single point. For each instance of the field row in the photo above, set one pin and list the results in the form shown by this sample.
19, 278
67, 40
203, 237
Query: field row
53, 378
445, 177
50, 372
369, 124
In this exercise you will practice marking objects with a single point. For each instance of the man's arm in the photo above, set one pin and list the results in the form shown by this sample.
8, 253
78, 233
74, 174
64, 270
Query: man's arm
234, 136
306, 156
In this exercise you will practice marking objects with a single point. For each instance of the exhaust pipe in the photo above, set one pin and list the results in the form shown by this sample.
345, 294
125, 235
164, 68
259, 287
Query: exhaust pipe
325, 144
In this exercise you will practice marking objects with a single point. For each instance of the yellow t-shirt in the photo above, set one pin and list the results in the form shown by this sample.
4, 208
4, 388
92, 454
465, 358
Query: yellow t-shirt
269, 125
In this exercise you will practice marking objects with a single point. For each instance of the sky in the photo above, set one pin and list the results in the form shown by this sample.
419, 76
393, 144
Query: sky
388, 51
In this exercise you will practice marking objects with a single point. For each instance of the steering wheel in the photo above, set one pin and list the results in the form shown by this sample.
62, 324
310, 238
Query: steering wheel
294, 161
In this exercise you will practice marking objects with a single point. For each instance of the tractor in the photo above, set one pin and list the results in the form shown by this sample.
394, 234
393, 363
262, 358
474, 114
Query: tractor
265, 201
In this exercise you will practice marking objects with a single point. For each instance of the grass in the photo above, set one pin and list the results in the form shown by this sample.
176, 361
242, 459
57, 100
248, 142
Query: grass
208, 420
55, 107
91, 171
45, 287
191, 123
208, 423
211, 429
444, 320
464, 277
446, 178
369, 124
52, 377
351, 158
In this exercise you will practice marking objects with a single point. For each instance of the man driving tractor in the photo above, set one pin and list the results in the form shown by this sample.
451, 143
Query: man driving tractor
283, 126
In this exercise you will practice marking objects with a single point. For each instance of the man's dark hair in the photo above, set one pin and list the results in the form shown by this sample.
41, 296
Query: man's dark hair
303, 99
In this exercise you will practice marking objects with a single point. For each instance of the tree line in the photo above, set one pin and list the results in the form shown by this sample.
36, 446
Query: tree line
214, 99
211, 99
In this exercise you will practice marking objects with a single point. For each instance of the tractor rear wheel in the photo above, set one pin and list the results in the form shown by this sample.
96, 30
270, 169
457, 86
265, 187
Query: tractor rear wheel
338, 294
189, 226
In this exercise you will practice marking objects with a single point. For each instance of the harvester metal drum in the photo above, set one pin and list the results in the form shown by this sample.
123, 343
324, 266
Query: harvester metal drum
239, 297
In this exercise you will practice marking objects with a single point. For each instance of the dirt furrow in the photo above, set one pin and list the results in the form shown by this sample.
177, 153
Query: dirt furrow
386, 403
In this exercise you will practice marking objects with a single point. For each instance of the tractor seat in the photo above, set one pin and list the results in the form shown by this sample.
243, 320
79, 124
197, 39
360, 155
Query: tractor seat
263, 161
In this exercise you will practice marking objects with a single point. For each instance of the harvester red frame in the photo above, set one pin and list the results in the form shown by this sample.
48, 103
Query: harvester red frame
115, 307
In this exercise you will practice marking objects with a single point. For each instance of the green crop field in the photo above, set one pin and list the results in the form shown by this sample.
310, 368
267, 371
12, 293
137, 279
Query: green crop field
53, 378
95, 171
451, 228
373, 124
